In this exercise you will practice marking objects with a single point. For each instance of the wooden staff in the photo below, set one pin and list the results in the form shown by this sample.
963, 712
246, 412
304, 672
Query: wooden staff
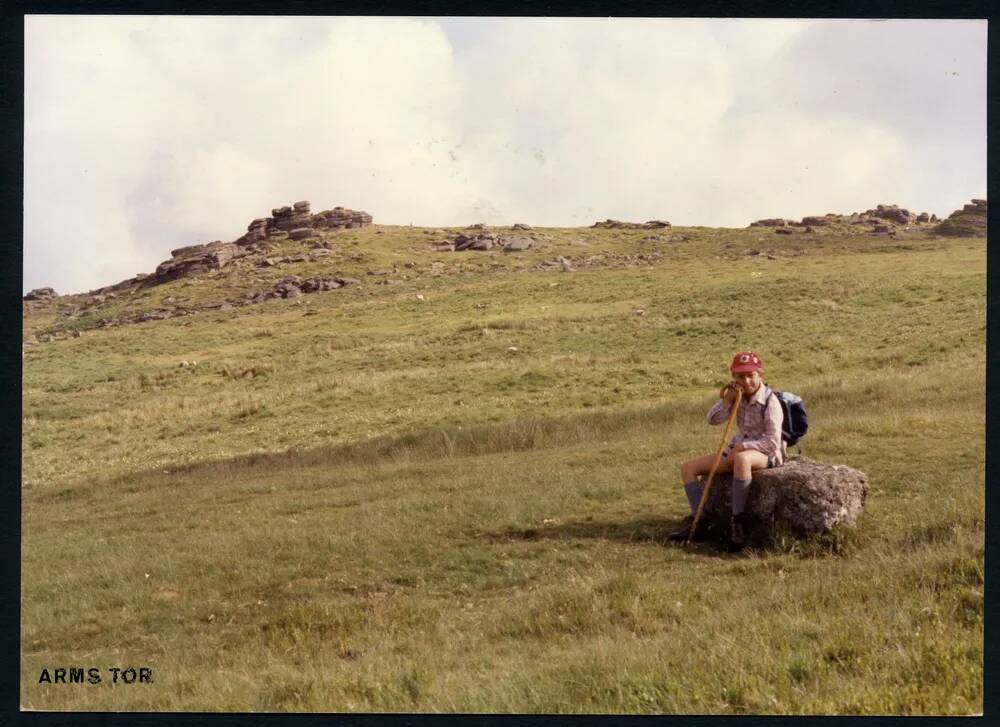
718, 458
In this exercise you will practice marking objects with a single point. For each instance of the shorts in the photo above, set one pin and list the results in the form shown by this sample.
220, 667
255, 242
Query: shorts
771, 462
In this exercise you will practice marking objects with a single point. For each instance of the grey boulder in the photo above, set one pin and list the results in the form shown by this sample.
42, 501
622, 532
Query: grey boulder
803, 496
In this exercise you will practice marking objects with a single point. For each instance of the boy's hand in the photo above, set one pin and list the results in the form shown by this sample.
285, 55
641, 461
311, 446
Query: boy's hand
728, 393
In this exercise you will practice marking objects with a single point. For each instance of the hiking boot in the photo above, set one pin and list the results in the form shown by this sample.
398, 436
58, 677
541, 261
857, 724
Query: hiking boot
738, 532
685, 531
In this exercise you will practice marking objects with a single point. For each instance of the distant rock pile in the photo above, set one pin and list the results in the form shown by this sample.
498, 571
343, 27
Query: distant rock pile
256, 232
195, 259
619, 225
40, 294
291, 286
897, 214
295, 222
340, 218
489, 241
483, 240
290, 218
970, 221
882, 220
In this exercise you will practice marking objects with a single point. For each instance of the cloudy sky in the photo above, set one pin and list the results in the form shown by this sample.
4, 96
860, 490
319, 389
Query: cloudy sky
143, 134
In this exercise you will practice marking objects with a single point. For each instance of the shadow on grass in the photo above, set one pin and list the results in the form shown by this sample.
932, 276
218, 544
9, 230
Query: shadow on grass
843, 541
641, 530
645, 529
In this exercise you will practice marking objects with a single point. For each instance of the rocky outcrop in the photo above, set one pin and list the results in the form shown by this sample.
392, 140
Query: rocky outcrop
517, 244
316, 285
341, 218
970, 221
895, 213
802, 496
297, 222
879, 215
481, 241
291, 286
301, 233
256, 232
290, 218
487, 241
288, 287
40, 294
619, 225
196, 259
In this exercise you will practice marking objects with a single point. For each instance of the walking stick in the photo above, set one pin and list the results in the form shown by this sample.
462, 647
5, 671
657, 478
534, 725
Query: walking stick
718, 457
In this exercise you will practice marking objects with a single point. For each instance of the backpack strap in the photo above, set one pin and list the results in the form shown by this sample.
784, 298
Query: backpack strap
767, 399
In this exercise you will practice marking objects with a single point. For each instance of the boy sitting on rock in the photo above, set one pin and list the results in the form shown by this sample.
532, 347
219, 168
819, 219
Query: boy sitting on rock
758, 444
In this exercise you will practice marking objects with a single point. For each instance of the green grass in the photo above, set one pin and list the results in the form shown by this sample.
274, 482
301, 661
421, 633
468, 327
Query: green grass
400, 514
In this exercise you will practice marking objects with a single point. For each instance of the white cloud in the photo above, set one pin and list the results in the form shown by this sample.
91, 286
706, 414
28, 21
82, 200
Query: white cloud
190, 128
634, 120
144, 134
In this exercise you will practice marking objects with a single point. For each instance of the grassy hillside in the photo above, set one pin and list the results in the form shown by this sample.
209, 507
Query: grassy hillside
448, 492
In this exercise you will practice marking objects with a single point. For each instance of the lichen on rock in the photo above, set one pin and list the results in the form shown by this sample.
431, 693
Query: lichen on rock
802, 496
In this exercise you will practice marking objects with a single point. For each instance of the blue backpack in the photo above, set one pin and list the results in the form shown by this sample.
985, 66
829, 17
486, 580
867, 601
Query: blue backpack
795, 421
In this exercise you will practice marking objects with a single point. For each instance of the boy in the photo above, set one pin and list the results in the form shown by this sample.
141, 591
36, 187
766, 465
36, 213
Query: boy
758, 444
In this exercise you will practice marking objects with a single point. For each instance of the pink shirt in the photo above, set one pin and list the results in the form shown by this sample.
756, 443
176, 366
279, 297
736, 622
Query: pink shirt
759, 422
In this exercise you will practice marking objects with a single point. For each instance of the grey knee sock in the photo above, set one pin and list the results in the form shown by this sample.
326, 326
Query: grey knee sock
693, 490
740, 490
